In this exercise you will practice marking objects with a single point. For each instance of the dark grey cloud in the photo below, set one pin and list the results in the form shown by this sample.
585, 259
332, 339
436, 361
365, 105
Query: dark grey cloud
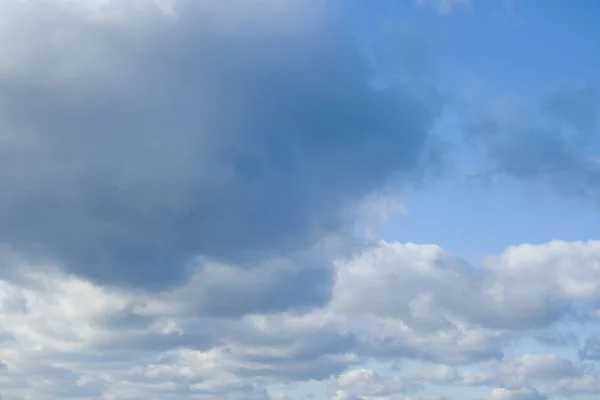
231, 132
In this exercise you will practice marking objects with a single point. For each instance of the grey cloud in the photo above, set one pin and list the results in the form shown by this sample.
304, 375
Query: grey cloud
386, 347
554, 149
288, 354
318, 368
591, 349
300, 281
557, 339
576, 105
230, 136
276, 285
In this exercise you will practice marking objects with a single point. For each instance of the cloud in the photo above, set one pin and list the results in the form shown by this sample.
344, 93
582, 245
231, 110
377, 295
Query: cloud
577, 105
140, 135
557, 339
510, 372
516, 377
537, 368
128, 343
586, 384
527, 286
451, 376
341, 395
591, 349
366, 383
182, 188
520, 394
551, 146
224, 290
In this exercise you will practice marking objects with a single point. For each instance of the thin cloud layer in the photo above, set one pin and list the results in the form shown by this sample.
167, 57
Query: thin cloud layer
553, 147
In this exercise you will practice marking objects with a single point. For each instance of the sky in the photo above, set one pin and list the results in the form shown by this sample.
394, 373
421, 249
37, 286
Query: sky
299, 199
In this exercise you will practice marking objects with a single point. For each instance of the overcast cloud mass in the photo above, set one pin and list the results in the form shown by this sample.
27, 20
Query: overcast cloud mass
271, 200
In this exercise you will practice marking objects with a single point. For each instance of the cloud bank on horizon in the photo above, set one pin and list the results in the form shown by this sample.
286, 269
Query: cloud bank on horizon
212, 200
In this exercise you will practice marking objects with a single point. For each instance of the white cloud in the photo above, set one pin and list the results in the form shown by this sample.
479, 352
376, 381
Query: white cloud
516, 376
124, 343
589, 383
519, 394
539, 367
378, 209
366, 383
526, 286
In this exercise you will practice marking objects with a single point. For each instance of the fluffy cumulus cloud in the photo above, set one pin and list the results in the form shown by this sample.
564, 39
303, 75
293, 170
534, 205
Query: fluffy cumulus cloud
521, 394
366, 383
190, 208
63, 334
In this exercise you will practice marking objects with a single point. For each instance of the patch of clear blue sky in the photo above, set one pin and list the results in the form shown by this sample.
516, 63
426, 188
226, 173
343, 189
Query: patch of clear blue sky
472, 221
524, 52
533, 45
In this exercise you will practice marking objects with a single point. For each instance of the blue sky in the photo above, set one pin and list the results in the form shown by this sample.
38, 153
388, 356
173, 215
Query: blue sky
294, 200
